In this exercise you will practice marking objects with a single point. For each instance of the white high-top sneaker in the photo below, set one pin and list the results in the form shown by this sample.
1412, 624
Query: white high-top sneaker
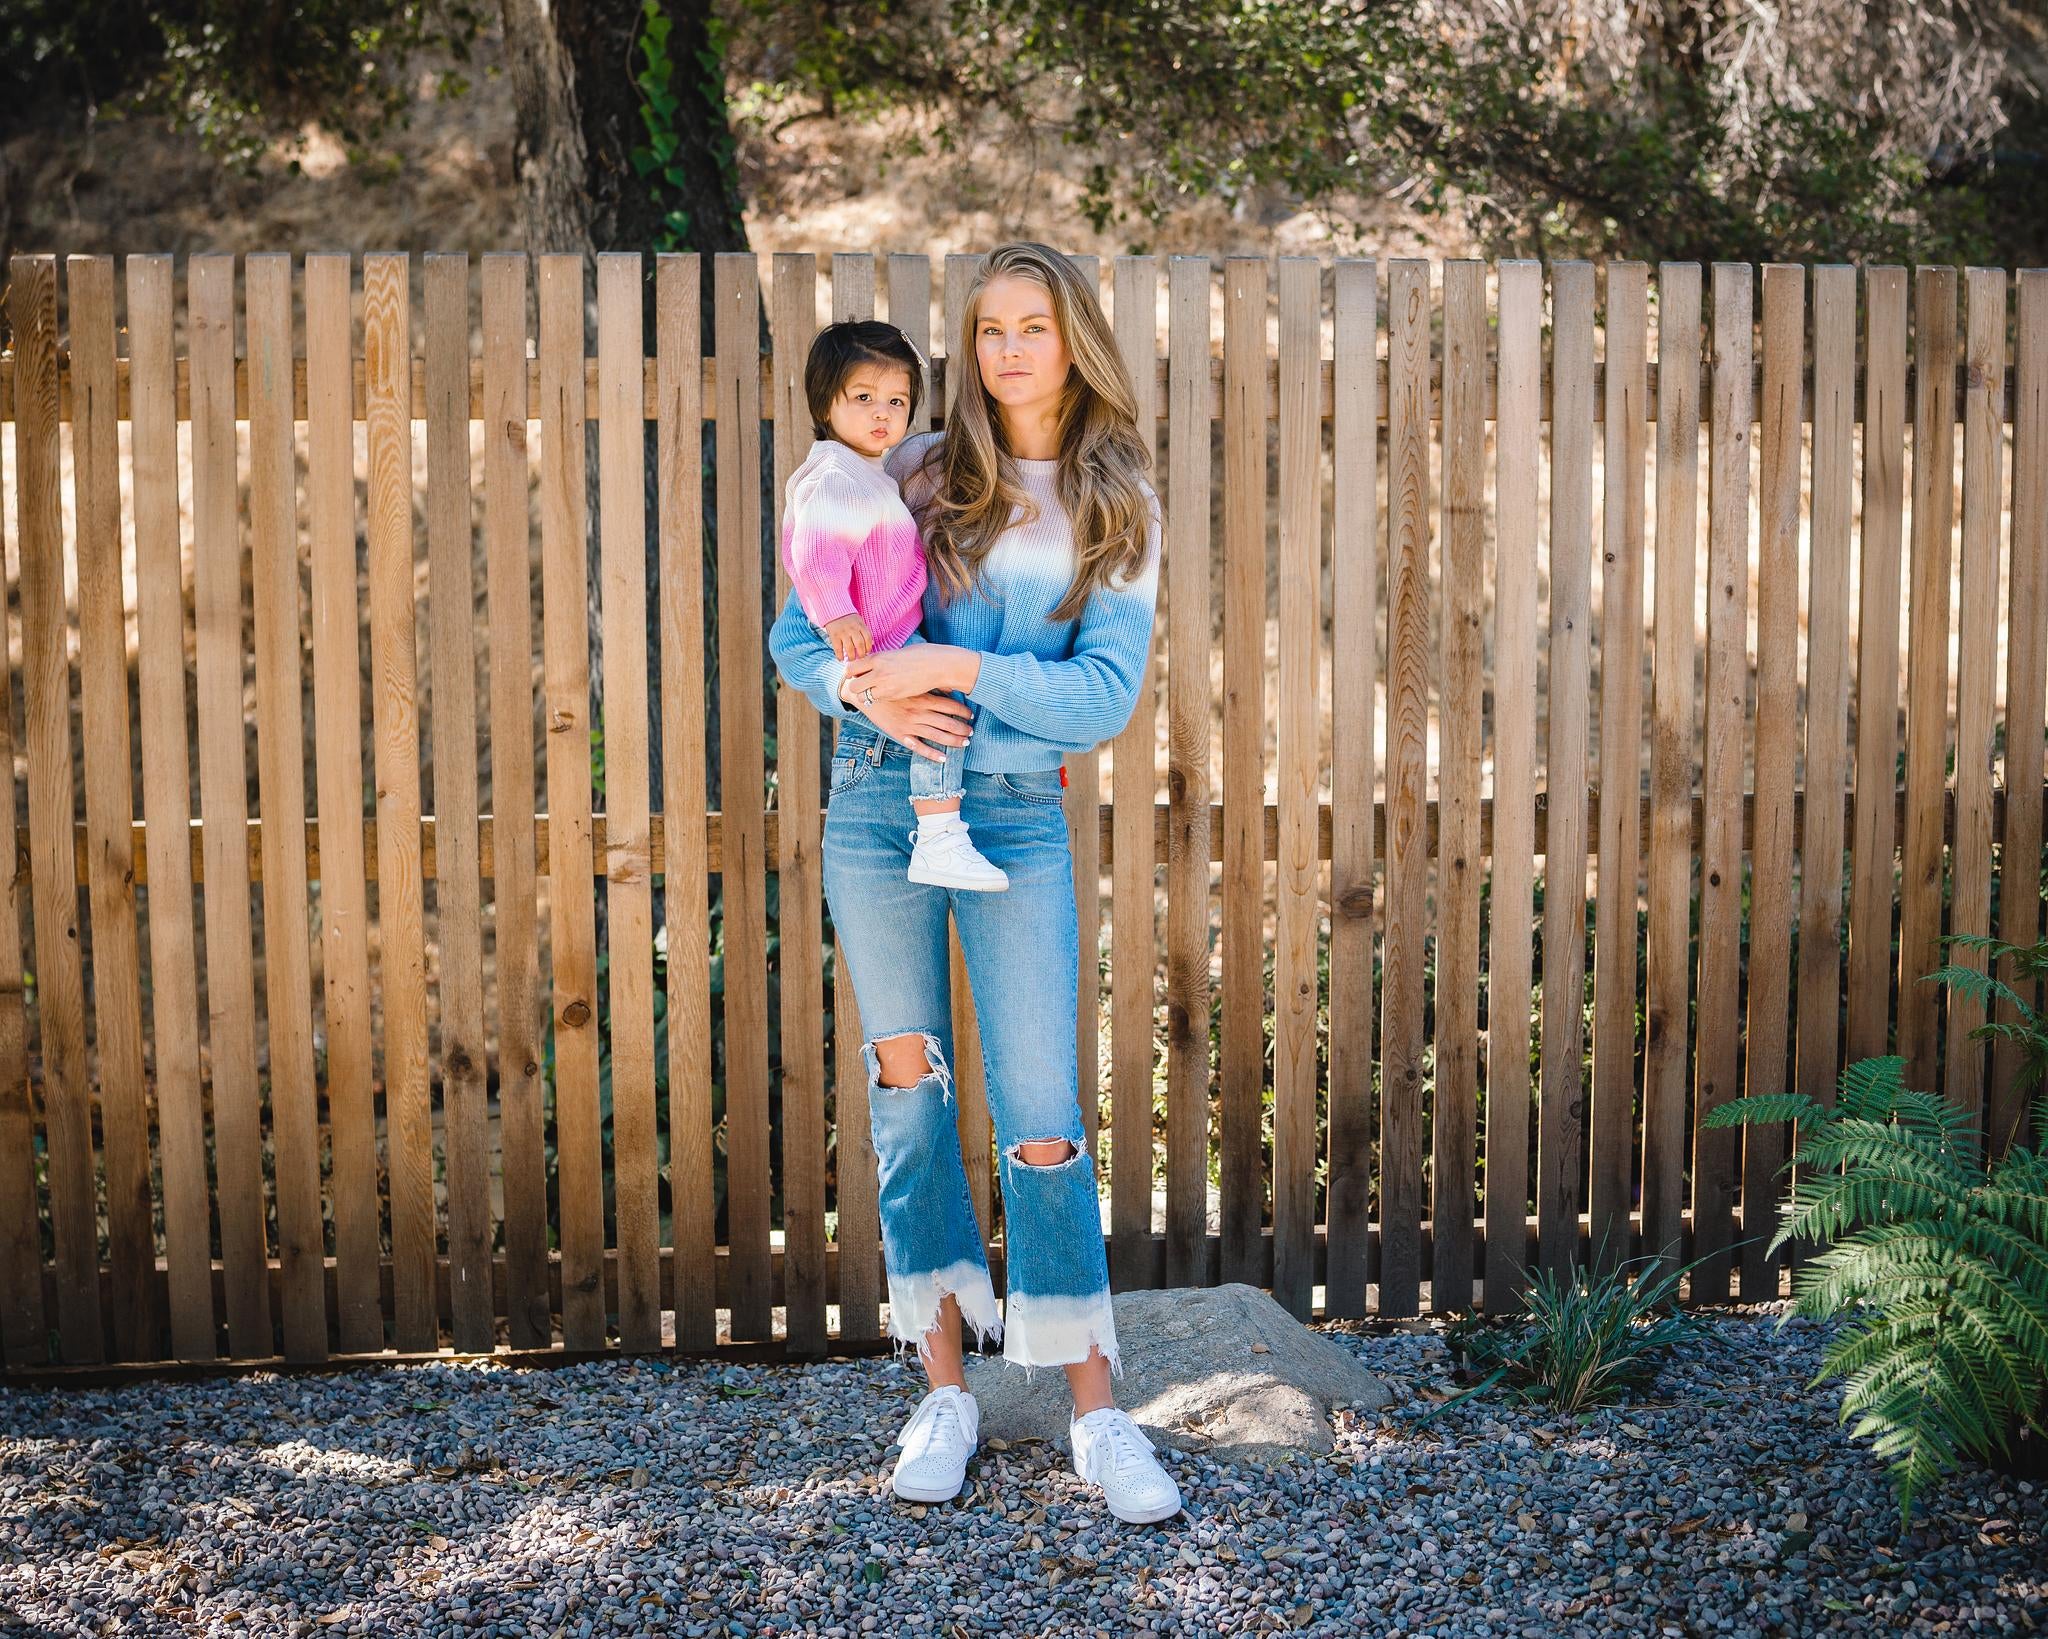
1112, 1451
937, 1441
949, 859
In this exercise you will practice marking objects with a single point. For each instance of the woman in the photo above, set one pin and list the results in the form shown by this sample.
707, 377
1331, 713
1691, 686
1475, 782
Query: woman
1043, 536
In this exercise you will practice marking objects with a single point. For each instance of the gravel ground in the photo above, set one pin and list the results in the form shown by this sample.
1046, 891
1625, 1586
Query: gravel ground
629, 1496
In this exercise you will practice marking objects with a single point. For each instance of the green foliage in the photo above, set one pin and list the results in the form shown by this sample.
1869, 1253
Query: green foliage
237, 76
1939, 1268
661, 157
1584, 1340
1329, 108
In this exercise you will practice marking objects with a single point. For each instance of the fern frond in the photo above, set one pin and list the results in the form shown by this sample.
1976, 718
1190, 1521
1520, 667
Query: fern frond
1765, 1110
1869, 1084
1982, 987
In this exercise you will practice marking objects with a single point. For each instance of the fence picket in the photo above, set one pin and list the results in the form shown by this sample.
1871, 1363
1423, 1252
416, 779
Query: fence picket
224, 809
1562, 1073
1767, 1026
161, 697
686, 880
1820, 977
281, 784
1879, 599
743, 864
1188, 708
1459, 747
1298, 772
24, 1336
110, 808
1976, 612
1667, 969
629, 856
507, 472
401, 924
46, 737
1725, 700
1561, 1100
1134, 942
1354, 573
1610, 1130
565, 663
1927, 682
1407, 844
338, 794
457, 888
2020, 904
797, 800
1243, 1053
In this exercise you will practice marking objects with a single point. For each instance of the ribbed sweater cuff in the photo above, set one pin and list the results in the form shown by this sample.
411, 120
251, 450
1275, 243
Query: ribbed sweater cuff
993, 685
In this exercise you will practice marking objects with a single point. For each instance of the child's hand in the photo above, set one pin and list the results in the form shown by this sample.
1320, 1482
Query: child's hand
850, 637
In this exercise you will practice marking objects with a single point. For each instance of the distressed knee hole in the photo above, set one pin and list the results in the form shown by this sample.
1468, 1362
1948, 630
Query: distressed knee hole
1045, 1152
894, 1064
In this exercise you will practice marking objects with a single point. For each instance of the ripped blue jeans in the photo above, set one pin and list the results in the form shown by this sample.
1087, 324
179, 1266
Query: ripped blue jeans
1022, 954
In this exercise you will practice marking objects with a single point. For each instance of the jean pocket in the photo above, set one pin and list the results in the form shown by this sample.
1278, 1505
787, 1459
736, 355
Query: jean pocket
1033, 785
850, 765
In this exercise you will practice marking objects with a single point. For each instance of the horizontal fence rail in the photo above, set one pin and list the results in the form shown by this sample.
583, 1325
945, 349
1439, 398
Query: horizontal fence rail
1568, 712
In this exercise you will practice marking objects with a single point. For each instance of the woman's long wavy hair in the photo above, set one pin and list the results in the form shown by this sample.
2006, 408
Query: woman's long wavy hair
1102, 455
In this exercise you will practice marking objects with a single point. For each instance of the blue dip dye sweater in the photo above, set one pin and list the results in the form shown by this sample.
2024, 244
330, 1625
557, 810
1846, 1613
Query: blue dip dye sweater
1046, 687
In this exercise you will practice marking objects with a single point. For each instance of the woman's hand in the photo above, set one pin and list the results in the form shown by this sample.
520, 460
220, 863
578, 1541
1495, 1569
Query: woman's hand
923, 722
902, 674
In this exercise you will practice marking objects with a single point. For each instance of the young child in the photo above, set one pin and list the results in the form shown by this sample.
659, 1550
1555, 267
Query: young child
855, 558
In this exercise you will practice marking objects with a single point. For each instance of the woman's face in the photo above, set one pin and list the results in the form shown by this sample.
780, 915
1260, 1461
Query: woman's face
1017, 343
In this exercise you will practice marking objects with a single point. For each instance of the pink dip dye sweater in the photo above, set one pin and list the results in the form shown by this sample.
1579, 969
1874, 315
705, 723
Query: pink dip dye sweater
850, 544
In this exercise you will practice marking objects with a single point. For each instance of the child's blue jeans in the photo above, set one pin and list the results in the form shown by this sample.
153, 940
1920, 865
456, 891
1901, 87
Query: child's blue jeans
930, 781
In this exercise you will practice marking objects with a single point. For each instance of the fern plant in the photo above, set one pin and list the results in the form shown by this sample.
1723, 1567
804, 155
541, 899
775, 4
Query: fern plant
1940, 1268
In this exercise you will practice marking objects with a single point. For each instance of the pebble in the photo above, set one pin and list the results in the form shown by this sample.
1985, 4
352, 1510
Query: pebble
657, 1497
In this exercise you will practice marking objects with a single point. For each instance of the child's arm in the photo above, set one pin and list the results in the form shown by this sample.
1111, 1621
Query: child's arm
806, 660
849, 637
827, 524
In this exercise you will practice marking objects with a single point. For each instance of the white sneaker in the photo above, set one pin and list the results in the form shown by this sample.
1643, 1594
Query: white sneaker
949, 859
1112, 1451
937, 1441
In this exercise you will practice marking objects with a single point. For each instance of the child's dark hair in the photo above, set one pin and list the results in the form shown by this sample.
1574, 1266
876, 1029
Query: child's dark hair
840, 349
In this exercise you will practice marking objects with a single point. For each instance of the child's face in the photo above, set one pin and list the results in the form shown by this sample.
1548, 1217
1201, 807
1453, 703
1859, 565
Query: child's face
872, 412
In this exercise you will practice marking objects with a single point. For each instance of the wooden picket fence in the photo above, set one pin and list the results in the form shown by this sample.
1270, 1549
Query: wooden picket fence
1429, 407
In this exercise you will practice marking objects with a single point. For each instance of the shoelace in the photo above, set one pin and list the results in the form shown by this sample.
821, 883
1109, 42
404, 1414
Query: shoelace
919, 1437
1127, 1446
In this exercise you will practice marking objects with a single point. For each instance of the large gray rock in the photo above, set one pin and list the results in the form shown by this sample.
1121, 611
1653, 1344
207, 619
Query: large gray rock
1217, 1369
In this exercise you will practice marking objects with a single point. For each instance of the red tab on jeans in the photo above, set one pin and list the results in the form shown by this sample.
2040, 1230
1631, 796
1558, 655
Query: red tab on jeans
1063, 776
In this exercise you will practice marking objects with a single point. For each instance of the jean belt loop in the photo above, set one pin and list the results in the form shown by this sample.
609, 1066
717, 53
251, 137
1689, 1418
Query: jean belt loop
875, 751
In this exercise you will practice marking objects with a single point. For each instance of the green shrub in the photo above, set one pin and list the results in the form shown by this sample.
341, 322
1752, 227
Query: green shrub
1583, 1340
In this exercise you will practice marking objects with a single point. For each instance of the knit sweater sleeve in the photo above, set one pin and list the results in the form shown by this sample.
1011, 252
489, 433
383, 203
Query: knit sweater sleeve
829, 519
1079, 702
806, 661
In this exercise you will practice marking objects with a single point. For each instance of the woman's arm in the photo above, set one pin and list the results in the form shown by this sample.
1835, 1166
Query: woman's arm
1074, 703
1088, 698
806, 660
